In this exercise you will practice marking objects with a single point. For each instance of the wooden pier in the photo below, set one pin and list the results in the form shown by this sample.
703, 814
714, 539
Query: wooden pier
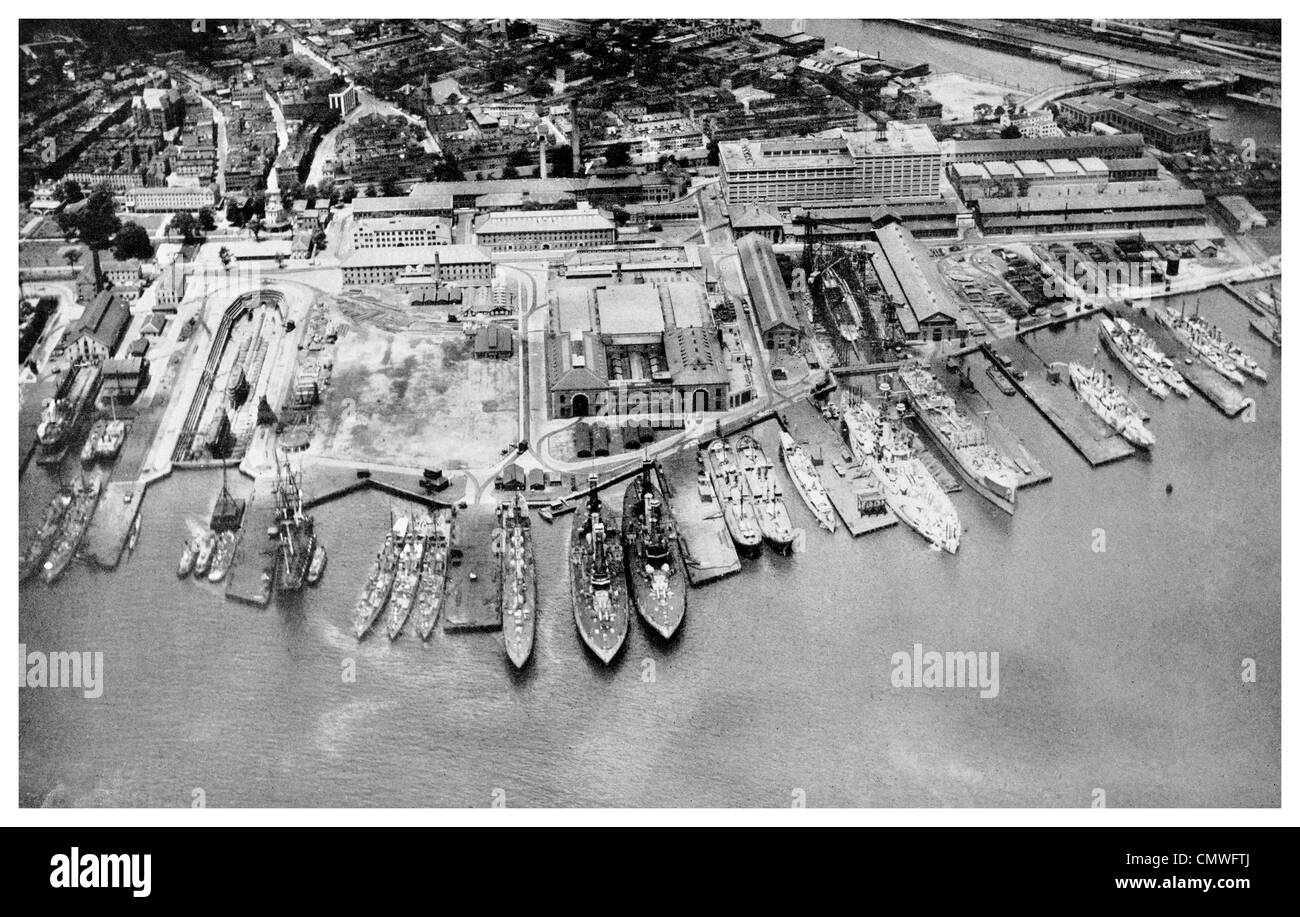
806, 424
251, 579
473, 599
707, 548
1082, 429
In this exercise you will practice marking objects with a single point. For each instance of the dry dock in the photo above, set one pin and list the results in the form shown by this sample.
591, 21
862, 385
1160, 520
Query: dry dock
707, 549
1224, 395
473, 589
805, 423
1084, 430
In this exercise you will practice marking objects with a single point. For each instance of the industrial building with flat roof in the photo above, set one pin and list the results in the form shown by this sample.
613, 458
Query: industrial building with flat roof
1160, 127
641, 350
395, 232
777, 324
1109, 146
1091, 212
901, 163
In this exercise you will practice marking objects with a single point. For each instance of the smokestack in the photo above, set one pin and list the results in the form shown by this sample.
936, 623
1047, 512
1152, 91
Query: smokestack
541, 157
575, 143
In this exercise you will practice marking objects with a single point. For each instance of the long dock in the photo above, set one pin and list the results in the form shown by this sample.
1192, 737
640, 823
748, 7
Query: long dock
1229, 398
251, 579
707, 548
1082, 429
805, 423
473, 582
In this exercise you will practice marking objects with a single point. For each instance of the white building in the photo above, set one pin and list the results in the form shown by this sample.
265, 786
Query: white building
540, 230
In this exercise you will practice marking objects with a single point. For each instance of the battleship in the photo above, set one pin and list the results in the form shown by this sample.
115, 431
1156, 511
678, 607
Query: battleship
407, 580
1196, 338
518, 584
808, 482
966, 445
1169, 373
433, 575
379, 583
75, 521
760, 478
597, 581
1121, 346
45, 534
737, 504
1111, 405
295, 530
885, 451
655, 571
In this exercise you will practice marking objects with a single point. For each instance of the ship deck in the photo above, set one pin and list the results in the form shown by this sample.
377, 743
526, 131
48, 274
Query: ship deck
1082, 429
474, 604
1223, 394
807, 425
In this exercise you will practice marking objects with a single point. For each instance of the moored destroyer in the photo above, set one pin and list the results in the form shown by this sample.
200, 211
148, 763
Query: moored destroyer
597, 580
885, 451
808, 482
45, 534
1119, 344
966, 445
379, 582
735, 500
1111, 405
655, 570
85, 496
1196, 338
1169, 374
433, 575
769, 508
407, 580
518, 583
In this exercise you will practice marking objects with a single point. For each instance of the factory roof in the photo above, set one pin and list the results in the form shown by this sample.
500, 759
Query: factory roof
630, 310
767, 292
401, 256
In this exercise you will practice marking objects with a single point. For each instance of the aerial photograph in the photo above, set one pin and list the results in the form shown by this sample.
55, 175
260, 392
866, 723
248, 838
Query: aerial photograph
649, 413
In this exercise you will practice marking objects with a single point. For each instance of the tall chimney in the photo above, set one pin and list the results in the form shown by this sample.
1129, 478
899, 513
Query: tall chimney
575, 143
541, 157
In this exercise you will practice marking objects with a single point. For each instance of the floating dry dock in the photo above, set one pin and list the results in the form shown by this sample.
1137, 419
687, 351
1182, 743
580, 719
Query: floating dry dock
707, 549
473, 593
251, 579
1224, 395
803, 421
1084, 430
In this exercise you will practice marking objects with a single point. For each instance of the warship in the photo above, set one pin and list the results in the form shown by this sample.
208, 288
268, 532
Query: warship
1195, 336
295, 530
597, 580
433, 575
407, 580
808, 482
1111, 405
655, 570
45, 534
379, 582
518, 583
770, 509
1119, 344
85, 496
736, 503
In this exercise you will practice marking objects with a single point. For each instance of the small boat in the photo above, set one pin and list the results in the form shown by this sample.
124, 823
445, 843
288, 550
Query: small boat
203, 558
224, 557
88, 451
186, 565
134, 536
317, 567
1000, 380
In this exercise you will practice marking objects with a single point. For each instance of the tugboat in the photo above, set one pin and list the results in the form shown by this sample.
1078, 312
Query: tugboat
518, 584
88, 451
808, 482
737, 504
46, 533
407, 580
186, 565
224, 557
760, 478
433, 576
655, 571
75, 521
380, 581
203, 558
597, 580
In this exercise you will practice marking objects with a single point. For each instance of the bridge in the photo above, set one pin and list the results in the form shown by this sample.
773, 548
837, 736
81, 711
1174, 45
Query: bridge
1056, 93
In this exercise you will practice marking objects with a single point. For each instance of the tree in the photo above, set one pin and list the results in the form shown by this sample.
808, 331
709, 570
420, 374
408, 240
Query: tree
349, 193
132, 241
618, 155
388, 187
225, 256
1010, 132
370, 190
509, 172
186, 226
70, 191
255, 227
96, 223
207, 220
72, 256
234, 214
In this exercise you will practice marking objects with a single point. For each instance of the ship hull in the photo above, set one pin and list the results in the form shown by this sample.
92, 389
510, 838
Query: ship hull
769, 509
825, 517
977, 482
1159, 390
748, 540
662, 609
518, 591
603, 630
